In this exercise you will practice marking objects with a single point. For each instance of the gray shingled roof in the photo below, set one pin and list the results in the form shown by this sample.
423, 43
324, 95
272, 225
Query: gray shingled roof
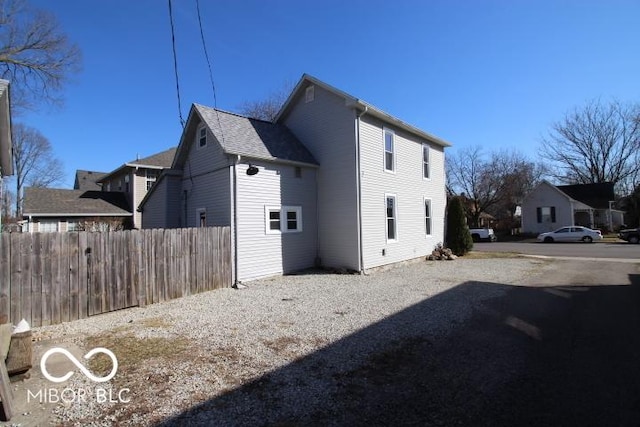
74, 202
162, 159
254, 138
87, 180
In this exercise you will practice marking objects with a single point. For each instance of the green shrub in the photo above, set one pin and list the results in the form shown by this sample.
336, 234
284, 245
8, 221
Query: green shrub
458, 236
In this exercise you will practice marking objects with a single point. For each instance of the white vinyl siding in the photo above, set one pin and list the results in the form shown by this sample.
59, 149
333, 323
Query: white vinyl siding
327, 128
262, 249
411, 191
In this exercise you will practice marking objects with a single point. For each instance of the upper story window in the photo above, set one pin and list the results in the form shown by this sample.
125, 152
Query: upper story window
151, 177
309, 94
202, 137
425, 161
126, 183
389, 150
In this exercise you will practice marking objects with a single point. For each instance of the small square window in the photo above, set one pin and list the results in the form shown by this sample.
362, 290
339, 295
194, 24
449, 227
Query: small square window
274, 220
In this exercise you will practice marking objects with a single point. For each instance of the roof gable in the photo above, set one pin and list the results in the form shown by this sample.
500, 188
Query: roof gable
160, 160
54, 201
353, 102
243, 136
597, 195
88, 180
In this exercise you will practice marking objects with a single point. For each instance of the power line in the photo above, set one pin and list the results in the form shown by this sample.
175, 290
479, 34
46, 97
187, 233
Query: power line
206, 55
175, 64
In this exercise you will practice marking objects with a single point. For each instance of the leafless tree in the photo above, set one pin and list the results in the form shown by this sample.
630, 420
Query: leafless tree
596, 143
268, 108
35, 55
34, 162
494, 184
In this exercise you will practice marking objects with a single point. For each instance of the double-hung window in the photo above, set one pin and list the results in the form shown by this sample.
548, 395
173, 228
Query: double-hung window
391, 217
427, 216
546, 214
389, 150
425, 161
283, 219
151, 177
202, 137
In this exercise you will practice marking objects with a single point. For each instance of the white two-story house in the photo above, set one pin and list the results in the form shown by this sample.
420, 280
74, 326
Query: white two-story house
334, 182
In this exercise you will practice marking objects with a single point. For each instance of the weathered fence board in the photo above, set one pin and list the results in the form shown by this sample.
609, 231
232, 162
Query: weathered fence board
48, 278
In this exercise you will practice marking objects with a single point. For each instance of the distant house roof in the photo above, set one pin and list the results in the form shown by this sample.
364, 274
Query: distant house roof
88, 180
597, 195
360, 105
58, 202
6, 146
240, 135
160, 160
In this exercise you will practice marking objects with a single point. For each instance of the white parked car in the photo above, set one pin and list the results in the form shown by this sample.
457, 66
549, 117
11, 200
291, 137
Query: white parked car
571, 234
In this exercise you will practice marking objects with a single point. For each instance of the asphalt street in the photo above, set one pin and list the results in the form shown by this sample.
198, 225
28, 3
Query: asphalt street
613, 250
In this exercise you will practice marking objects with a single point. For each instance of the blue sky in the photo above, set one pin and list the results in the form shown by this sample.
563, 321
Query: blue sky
491, 73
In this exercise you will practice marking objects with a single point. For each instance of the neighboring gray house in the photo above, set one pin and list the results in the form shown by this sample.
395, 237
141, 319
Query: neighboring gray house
58, 210
333, 182
135, 179
88, 180
549, 207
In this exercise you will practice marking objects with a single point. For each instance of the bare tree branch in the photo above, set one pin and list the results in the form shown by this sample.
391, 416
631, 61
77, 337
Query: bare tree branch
268, 108
596, 143
35, 55
34, 162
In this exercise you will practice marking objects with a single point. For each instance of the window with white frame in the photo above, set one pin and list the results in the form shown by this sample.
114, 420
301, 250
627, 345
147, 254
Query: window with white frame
151, 177
389, 150
202, 137
390, 213
427, 216
283, 219
73, 226
202, 217
48, 226
425, 161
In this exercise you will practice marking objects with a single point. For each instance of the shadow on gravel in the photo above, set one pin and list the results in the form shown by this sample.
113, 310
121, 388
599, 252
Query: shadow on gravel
526, 356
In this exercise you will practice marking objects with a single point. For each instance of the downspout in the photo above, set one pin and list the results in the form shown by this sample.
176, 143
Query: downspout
359, 191
234, 220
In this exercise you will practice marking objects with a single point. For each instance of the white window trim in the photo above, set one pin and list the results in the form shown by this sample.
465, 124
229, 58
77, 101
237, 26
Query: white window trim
424, 204
267, 222
198, 212
283, 219
206, 137
395, 217
384, 150
428, 163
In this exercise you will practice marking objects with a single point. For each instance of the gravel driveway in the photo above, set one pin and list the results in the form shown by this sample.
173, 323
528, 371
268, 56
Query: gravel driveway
294, 350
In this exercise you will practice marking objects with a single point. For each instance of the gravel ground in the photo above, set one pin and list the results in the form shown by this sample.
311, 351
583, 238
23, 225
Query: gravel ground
275, 352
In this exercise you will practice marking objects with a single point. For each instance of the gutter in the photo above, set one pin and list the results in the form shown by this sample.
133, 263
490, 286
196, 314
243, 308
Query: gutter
359, 191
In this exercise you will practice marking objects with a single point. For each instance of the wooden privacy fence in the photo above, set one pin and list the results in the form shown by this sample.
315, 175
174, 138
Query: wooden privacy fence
49, 278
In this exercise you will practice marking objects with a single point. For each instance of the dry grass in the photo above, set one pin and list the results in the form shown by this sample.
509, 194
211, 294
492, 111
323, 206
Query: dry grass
490, 255
133, 351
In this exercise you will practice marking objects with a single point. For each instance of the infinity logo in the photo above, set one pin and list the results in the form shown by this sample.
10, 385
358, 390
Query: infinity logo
76, 362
